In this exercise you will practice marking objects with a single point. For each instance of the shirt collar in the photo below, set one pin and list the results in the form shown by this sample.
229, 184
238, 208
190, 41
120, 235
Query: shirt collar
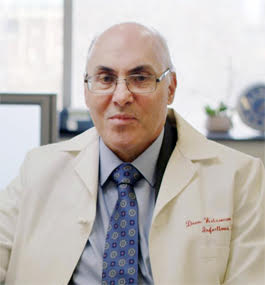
145, 163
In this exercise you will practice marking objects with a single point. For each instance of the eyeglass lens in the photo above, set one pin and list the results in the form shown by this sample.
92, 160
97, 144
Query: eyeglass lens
135, 83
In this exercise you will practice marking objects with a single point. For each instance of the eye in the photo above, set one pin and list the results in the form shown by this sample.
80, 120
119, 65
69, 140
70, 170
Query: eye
105, 78
139, 78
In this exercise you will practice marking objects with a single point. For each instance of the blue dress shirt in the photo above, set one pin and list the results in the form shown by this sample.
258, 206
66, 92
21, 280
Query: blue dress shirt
89, 267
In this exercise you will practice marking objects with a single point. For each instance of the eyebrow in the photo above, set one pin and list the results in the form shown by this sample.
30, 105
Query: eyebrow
105, 69
141, 68
137, 69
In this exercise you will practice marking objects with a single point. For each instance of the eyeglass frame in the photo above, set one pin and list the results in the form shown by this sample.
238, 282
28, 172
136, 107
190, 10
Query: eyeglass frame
157, 80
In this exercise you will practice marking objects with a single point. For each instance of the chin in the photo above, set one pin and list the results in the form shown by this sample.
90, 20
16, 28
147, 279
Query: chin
123, 142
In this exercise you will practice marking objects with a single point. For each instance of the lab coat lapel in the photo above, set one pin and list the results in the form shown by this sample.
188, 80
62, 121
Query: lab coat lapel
85, 148
181, 167
87, 167
177, 176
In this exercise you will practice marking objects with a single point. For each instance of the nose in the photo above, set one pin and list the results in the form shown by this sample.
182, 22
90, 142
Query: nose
121, 95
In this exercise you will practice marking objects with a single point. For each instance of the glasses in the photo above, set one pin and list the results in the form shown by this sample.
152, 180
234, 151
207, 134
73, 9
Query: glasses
105, 84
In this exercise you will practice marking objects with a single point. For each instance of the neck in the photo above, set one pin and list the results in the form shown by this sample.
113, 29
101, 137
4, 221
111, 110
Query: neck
129, 155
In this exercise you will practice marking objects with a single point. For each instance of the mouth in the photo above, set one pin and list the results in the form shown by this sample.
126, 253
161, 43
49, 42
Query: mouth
122, 118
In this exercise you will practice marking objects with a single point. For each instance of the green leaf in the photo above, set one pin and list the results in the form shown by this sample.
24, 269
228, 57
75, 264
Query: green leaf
209, 111
222, 107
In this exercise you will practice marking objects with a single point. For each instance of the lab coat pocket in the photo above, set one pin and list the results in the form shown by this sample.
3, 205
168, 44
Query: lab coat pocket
216, 258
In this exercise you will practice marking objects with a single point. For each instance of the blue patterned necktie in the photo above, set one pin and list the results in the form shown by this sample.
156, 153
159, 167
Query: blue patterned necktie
120, 259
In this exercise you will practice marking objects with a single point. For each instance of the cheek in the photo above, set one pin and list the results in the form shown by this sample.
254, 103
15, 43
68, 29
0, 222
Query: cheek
97, 107
158, 105
154, 111
96, 103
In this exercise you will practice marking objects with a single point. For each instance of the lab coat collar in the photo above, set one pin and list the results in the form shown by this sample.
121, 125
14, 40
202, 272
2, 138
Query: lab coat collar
86, 149
191, 143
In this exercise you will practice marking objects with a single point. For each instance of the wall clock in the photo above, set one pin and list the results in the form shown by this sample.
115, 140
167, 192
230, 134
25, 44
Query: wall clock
251, 107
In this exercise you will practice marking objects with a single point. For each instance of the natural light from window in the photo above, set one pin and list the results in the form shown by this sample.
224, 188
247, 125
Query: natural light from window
31, 46
217, 46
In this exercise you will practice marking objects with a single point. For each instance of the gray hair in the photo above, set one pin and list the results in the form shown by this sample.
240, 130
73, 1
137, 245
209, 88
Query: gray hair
160, 39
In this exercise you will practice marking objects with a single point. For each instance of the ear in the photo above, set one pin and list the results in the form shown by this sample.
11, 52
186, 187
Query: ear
172, 87
86, 95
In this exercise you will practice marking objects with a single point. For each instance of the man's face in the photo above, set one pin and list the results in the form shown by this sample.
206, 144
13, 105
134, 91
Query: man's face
128, 123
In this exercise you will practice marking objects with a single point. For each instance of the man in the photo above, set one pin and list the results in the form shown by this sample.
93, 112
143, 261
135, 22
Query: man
142, 198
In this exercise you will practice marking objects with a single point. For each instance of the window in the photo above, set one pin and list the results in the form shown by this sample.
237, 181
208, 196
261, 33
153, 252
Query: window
217, 46
31, 119
31, 46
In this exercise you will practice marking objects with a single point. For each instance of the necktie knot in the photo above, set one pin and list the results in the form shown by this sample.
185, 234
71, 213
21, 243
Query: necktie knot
126, 173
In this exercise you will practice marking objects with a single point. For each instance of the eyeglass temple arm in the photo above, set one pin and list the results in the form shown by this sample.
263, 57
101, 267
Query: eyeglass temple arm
163, 75
85, 77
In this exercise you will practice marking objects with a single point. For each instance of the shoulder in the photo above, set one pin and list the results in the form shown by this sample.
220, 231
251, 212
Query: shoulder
54, 157
197, 148
77, 143
231, 156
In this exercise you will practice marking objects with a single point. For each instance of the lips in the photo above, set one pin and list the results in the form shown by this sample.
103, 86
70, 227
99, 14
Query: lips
122, 119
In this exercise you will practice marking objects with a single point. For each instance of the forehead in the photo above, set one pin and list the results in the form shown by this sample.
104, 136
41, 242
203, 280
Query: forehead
123, 49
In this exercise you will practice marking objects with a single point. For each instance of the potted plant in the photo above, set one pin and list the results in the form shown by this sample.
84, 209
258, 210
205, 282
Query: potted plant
217, 119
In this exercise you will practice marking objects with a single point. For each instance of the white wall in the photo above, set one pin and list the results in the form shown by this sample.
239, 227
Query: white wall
217, 46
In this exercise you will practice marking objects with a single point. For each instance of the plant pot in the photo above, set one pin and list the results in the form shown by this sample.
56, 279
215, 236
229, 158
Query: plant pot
218, 123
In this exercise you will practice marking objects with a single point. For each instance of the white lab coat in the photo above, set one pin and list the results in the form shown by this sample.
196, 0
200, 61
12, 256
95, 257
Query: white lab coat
207, 228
